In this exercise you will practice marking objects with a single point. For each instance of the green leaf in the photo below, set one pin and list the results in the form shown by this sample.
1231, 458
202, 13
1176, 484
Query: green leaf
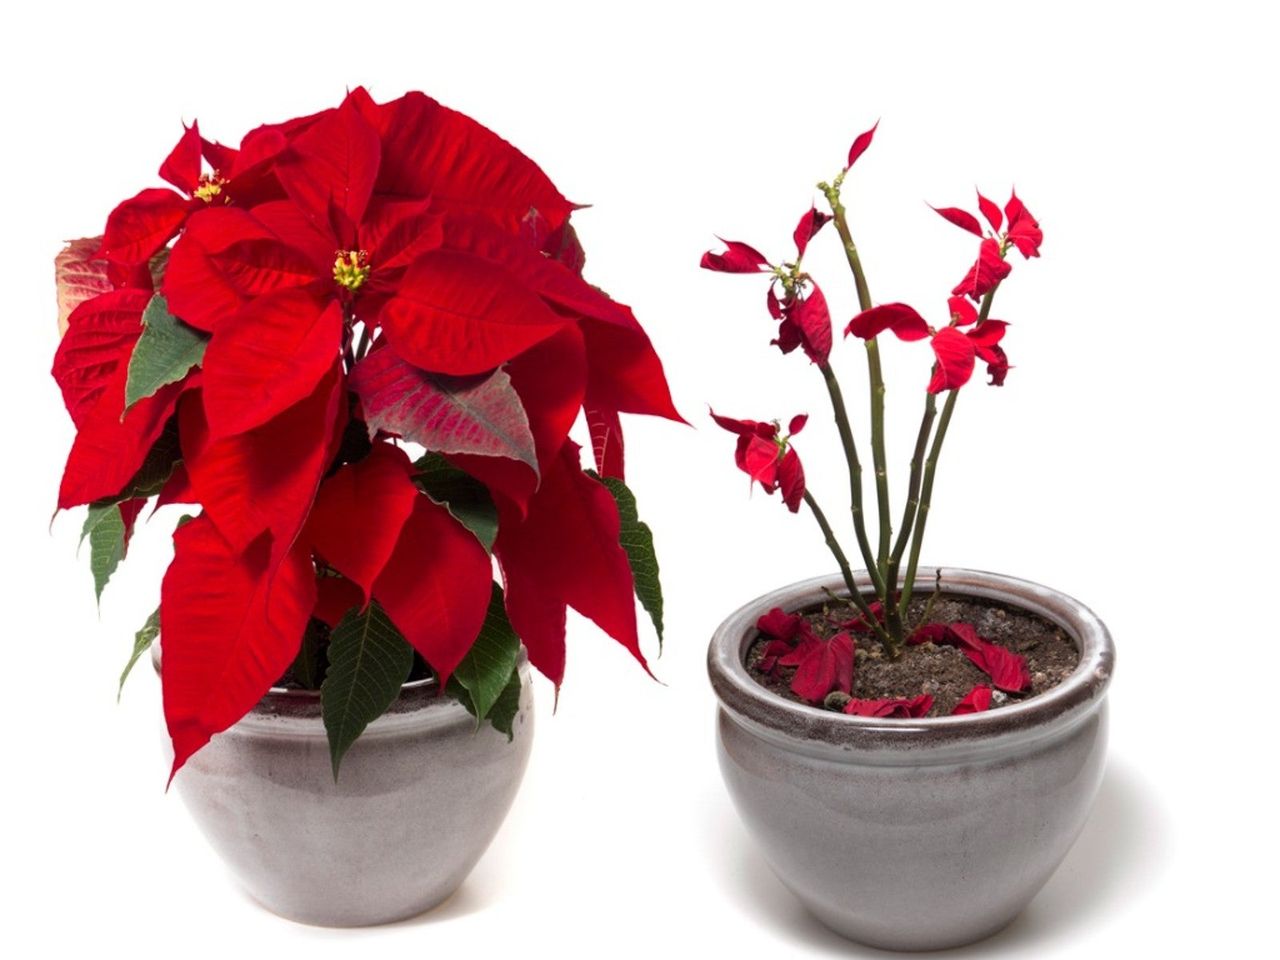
142, 641
464, 496
108, 541
486, 668
637, 540
502, 714
167, 349
368, 661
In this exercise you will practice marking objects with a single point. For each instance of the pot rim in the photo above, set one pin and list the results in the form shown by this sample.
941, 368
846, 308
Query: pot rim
284, 711
776, 718
299, 693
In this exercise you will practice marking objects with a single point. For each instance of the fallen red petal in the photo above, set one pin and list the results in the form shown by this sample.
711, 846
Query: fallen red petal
975, 701
779, 624
899, 708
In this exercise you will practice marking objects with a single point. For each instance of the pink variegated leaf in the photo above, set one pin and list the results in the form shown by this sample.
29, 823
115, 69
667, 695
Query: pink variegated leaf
80, 275
479, 415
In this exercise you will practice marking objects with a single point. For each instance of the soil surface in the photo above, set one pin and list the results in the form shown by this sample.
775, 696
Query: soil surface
942, 671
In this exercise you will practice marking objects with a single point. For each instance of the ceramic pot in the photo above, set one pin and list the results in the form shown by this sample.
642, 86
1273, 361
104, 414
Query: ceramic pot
915, 834
420, 796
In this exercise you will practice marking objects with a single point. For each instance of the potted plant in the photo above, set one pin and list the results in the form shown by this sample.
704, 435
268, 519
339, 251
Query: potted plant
915, 751
357, 343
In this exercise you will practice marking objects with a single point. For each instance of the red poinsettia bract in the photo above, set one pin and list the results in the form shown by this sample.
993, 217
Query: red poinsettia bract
955, 348
767, 458
345, 282
801, 311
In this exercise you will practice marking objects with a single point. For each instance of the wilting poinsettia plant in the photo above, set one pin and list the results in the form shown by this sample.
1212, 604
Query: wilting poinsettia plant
962, 334
271, 337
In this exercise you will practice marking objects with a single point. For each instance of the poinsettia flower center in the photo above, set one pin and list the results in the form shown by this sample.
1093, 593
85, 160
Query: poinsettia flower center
209, 186
351, 269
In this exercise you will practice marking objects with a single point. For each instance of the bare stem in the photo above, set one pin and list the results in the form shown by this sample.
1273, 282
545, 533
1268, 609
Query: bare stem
878, 460
909, 513
926, 497
930, 469
876, 380
855, 595
832, 193
855, 476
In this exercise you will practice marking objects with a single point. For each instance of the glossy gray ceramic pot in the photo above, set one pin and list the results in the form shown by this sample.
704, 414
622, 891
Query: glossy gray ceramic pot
420, 796
915, 834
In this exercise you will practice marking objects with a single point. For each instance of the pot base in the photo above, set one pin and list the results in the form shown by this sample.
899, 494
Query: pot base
915, 834
419, 798
326, 921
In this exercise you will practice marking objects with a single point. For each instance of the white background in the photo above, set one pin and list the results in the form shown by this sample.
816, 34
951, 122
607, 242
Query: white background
1127, 462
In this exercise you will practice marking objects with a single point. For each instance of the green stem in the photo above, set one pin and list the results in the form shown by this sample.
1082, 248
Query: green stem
876, 378
855, 595
909, 512
926, 497
926, 491
832, 193
878, 459
855, 476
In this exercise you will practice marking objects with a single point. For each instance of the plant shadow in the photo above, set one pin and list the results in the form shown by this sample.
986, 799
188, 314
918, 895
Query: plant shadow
1122, 848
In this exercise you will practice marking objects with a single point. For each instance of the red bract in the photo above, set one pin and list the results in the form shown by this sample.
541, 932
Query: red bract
803, 321
976, 700
768, 459
902, 708
987, 271
801, 311
92, 367
1008, 670
808, 227
1022, 231
339, 283
822, 666
737, 258
955, 349
860, 144
141, 226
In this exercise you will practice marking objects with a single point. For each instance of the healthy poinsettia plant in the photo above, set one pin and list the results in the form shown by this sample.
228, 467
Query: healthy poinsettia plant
270, 338
823, 665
